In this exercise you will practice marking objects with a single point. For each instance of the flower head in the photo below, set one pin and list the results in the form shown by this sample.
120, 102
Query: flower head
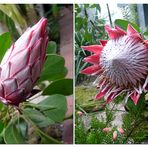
22, 64
121, 64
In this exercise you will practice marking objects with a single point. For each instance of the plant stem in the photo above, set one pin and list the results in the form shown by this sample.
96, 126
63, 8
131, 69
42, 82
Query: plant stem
110, 113
109, 15
119, 110
78, 106
95, 27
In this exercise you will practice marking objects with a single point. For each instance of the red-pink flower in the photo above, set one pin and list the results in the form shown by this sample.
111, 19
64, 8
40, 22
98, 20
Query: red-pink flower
121, 64
22, 64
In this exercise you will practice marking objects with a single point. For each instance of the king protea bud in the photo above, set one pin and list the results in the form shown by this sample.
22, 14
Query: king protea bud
22, 64
121, 64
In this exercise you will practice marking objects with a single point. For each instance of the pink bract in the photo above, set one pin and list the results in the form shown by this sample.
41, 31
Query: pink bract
121, 64
22, 64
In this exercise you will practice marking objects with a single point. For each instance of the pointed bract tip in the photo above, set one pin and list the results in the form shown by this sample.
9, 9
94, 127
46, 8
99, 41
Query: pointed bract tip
103, 42
120, 30
43, 20
114, 33
41, 25
93, 48
135, 97
132, 31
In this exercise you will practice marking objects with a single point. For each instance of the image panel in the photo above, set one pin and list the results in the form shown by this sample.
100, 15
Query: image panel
36, 81
111, 73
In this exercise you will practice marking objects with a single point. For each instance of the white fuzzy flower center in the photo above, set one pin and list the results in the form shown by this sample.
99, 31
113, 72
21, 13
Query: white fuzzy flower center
125, 61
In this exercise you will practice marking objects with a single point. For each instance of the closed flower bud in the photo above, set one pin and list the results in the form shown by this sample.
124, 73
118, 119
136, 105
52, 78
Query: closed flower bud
120, 130
22, 64
106, 130
114, 135
79, 113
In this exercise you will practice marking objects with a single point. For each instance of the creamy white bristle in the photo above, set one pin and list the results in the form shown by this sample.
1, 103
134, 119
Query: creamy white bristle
125, 61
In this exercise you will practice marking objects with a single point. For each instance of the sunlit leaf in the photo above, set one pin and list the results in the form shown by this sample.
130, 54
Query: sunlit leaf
13, 12
124, 23
5, 41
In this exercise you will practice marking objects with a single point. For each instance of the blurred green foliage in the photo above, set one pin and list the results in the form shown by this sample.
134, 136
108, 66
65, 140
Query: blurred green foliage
89, 28
93, 133
5, 41
134, 124
129, 12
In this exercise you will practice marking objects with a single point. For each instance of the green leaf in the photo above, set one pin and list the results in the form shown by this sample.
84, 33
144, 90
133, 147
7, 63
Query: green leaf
5, 41
1, 126
124, 23
59, 103
63, 86
51, 47
2, 106
55, 9
53, 69
37, 117
1, 140
38, 106
22, 126
13, 12
12, 134
145, 35
98, 7
86, 6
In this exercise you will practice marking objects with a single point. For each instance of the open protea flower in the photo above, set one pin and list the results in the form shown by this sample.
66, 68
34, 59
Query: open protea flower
121, 64
22, 64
